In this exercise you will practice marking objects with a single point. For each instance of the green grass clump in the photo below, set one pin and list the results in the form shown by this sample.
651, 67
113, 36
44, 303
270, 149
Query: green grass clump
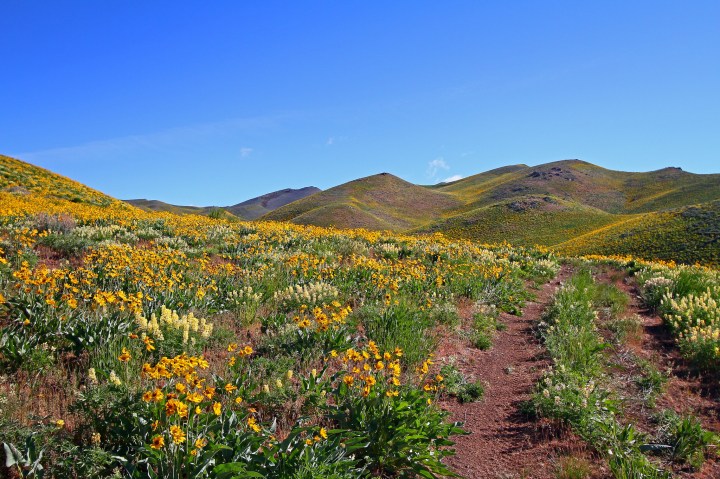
485, 324
651, 381
687, 442
570, 467
626, 329
457, 385
403, 327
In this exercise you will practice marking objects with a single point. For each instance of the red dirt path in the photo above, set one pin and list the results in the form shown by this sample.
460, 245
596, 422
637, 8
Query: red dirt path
502, 443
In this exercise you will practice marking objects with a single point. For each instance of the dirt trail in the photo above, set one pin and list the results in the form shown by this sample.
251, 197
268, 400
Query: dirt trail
502, 443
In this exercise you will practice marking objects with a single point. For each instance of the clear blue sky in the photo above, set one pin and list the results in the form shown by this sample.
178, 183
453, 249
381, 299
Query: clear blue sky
216, 102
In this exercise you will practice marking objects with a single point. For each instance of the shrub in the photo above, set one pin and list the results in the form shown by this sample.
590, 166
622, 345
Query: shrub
61, 223
609, 299
67, 245
484, 325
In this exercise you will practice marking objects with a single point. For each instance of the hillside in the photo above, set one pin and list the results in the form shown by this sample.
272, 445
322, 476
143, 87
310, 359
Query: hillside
247, 210
22, 178
256, 207
551, 204
525, 220
611, 191
571, 206
690, 234
381, 201
156, 205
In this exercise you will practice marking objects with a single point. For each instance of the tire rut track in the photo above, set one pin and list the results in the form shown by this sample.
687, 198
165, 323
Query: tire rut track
502, 442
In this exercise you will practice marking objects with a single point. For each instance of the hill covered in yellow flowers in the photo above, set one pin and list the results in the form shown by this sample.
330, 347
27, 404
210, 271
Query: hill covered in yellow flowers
571, 206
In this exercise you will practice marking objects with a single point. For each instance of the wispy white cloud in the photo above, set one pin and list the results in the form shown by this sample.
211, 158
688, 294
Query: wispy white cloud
336, 140
435, 166
162, 141
245, 152
452, 178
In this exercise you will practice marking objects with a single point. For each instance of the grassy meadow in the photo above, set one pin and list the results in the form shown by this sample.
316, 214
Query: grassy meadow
154, 345
139, 344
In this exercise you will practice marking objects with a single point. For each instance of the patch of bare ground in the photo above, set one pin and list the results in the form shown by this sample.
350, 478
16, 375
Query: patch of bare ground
685, 391
502, 442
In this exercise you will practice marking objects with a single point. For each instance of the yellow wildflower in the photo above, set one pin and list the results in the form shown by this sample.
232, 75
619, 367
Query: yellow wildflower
252, 424
177, 434
125, 356
157, 442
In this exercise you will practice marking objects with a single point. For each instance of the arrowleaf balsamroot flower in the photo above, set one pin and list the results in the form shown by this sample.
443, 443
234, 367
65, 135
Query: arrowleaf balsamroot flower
125, 356
178, 435
158, 442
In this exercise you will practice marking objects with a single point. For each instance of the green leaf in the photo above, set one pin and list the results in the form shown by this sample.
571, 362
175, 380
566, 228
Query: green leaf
12, 455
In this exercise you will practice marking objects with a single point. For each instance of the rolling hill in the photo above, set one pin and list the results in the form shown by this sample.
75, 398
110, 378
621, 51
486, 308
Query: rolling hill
611, 191
256, 207
688, 235
247, 210
23, 178
525, 220
156, 205
571, 206
381, 201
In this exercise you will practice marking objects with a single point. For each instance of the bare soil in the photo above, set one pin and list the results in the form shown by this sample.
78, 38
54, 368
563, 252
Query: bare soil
503, 442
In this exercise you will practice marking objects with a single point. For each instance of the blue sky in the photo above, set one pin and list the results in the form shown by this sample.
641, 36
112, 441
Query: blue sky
216, 102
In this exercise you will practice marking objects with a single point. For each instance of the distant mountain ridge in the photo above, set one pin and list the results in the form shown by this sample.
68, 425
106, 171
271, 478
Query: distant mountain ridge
247, 210
570, 206
256, 207
381, 201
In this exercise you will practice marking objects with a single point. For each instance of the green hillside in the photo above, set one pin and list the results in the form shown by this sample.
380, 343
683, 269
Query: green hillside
574, 180
381, 201
571, 203
571, 206
526, 220
689, 234
669, 188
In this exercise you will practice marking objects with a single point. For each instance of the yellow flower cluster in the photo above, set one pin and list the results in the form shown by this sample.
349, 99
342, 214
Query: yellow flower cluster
179, 366
322, 318
367, 367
